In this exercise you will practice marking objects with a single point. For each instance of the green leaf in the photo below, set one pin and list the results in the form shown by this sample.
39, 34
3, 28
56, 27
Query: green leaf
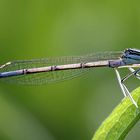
121, 120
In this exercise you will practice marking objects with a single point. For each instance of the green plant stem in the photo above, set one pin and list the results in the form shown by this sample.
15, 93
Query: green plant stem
121, 120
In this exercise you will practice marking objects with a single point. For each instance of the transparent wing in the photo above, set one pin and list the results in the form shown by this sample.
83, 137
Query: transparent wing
52, 76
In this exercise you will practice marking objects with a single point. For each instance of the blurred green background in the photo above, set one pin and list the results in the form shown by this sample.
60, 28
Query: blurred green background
70, 110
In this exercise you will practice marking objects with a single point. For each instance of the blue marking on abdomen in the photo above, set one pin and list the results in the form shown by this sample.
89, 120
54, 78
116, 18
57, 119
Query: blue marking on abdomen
11, 73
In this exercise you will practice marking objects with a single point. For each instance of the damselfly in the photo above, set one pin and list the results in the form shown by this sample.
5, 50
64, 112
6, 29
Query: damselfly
41, 71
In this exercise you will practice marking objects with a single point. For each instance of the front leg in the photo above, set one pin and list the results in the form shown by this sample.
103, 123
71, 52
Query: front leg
124, 88
136, 72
